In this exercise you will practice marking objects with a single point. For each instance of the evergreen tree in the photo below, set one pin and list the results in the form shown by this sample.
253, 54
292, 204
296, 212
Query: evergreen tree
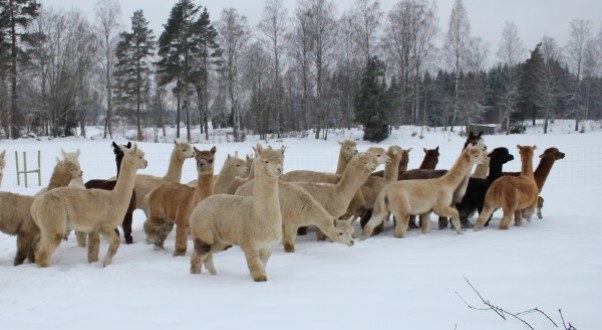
371, 102
134, 52
531, 81
15, 16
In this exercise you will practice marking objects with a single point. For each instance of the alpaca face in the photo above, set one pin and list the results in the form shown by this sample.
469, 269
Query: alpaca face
395, 153
73, 170
380, 154
348, 149
238, 164
475, 140
475, 154
269, 161
183, 150
205, 160
552, 153
344, 232
500, 155
368, 161
135, 157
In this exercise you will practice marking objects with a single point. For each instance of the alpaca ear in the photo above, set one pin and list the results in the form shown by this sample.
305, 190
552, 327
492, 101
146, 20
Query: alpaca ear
195, 149
534, 147
339, 142
175, 142
129, 145
518, 147
282, 150
3, 154
63, 153
408, 151
228, 157
114, 145
213, 150
258, 149
77, 153
424, 150
236, 153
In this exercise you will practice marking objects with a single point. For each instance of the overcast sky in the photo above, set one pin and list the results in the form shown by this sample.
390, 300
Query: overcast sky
534, 18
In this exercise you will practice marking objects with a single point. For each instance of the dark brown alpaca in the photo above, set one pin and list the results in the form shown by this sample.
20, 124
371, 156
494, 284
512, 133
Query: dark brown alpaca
109, 185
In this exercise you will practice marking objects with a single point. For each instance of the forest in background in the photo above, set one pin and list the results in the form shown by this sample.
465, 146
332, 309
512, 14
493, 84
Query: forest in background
307, 70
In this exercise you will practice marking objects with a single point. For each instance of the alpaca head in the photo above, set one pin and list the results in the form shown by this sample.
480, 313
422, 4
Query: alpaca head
380, 154
134, 157
236, 164
553, 154
204, 160
70, 156
343, 231
72, 170
525, 151
348, 149
182, 150
500, 155
69, 164
395, 153
475, 140
269, 161
475, 154
367, 161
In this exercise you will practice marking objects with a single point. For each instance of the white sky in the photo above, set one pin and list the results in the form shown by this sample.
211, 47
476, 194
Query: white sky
534, 18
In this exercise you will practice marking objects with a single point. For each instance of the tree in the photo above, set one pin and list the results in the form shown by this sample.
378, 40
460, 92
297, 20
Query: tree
134, 52
15, 16
273, 30
371, 102
234, 32
455, 48
108, 13
367, 20
580, 34
510, 53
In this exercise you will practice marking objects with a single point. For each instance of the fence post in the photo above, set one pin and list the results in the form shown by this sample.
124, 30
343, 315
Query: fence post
25, 171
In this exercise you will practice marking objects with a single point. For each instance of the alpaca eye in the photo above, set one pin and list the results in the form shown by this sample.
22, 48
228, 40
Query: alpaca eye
210, 161
266, 161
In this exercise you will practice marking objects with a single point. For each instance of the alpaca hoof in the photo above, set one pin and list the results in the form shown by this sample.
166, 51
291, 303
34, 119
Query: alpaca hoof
179, 253
261, 278
467, 224
289, 248
129, 240
158, 247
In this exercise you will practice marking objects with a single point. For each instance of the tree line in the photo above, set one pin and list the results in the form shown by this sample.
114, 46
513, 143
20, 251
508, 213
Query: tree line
308, 70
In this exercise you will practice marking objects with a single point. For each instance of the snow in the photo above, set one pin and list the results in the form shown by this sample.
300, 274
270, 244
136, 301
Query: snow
379, 283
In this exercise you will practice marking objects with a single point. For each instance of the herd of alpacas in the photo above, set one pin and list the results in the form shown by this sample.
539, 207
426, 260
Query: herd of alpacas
253, 204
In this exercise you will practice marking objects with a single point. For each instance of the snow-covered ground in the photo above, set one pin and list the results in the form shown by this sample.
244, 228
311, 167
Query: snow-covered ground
379, 283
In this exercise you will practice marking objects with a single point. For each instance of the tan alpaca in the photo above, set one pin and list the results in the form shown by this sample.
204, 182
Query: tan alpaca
512, 193
64, 171
299, 209
171, 204
347, 150
145, 183
404, 198
253, 223
15, 215
404, 159
232, 168
90, 211
481, 170
2, 165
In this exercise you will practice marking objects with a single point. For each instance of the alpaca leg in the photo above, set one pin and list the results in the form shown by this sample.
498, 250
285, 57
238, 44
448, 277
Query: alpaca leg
93, 246
255, 264
200, 250
265, 254
483, 217
425, 222
48, 243
289, 235
539, 207
375, 221
181, 238
450, 212
518, 217
443, 222
208, 262
402, 224
23, 247
109, 234
506, 218
81, 238
320, 236
127, 228
32, 247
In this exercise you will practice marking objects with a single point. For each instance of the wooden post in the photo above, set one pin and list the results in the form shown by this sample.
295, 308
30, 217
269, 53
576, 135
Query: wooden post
25, 171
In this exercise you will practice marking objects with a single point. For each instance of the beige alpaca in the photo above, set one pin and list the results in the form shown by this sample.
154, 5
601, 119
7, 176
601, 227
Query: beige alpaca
145, 183
171, 204
233, 167
253, 223
90, 211
299, 209
336, 197
15, 215
481, 170
404, 198
64, 171
347, 150
374, 184
2, 165
512, 193
404, 159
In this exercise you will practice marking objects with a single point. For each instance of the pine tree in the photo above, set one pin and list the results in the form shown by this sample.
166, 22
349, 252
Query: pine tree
371, 106
134, 52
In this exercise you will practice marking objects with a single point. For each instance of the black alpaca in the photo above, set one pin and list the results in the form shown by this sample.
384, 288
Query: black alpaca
475, 192
109, 185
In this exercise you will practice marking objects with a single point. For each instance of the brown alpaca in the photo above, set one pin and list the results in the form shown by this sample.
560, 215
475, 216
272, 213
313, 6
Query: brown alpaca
89, 211
64, 171
430, 160
512, 193
253, 223
171, 204
145, 183
15, 215
547, 160
299, 209
2, 165
404, 198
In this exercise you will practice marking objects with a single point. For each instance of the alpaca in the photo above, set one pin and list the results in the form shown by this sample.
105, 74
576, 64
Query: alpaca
481, 171
335, 197
430, 160
15, 216
171, 204
512, 193
145, 183
65, 170
547, 160
477, 188
89, 211
109, 185
2, 165
404, 198
300, 209
253, 223
346, 152
232, 168
402, 166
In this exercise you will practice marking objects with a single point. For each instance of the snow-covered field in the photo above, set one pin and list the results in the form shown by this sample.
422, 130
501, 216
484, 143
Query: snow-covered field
379, 283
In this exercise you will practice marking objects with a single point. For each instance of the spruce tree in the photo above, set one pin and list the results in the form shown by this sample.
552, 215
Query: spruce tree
370, 105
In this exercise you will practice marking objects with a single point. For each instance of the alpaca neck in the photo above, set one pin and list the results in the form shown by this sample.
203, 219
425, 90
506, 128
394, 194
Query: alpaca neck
527, 165
542, 171
118, 159
125, 183
353, 177
265, 197
391, 171
481, 171
59, 178
458, 172
341, 164
428, 163
226, 175
174, 171
403, 163
495, 170
204, 187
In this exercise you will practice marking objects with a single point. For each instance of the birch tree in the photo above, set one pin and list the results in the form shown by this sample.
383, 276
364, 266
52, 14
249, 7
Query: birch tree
511, 51
580, 34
